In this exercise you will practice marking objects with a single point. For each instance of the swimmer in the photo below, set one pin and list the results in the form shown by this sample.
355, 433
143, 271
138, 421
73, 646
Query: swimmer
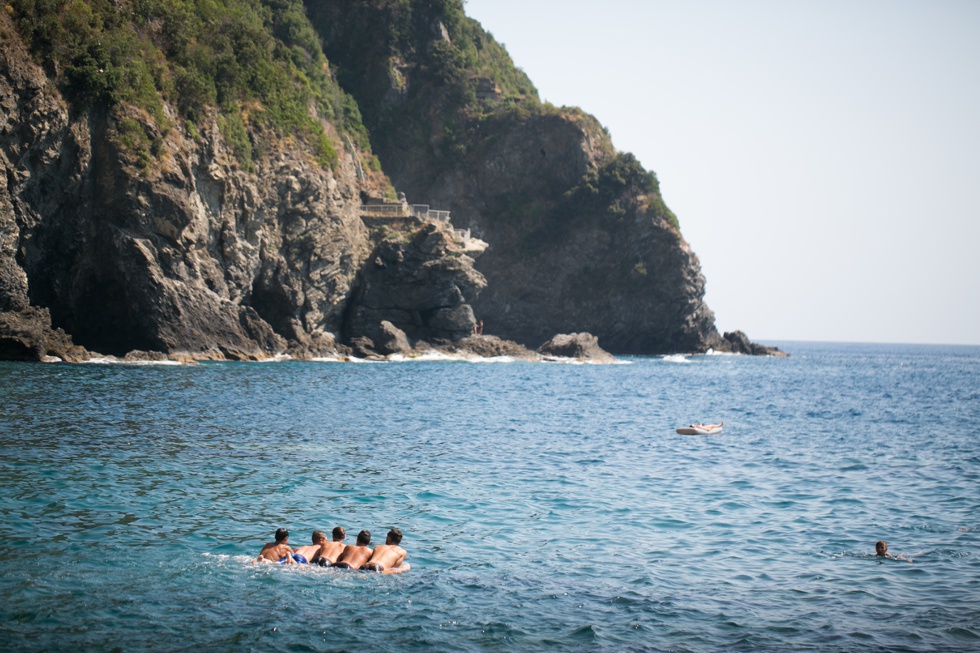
881, 551
278, 551
353, 556
388, 558
329, 551
308, 553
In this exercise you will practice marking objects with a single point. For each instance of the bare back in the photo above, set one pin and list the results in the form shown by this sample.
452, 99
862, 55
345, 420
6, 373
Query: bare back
387, 556
273, 552
354, 555
331, 551
309, 551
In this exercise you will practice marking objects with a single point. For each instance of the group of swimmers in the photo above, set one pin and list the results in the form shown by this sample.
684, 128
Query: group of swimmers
387, 558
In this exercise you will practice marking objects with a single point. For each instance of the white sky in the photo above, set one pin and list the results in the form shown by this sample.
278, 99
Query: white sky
822, 156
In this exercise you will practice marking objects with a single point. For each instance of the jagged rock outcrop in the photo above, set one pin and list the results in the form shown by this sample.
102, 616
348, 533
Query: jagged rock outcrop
575, 345
423, 287
26, 335
391, 340
737, 342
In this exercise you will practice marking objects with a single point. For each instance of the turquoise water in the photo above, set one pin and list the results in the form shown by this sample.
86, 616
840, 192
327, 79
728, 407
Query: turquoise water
546, 507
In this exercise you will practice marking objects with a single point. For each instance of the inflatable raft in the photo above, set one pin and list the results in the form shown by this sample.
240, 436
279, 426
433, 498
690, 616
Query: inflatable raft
694, 430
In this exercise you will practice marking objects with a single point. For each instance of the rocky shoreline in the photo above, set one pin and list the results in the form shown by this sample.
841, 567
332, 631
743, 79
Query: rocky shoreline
184, 253
580, 347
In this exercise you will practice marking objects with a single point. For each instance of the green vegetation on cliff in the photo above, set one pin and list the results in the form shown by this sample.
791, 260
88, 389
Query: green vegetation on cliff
416, 68
434, 87
258, 61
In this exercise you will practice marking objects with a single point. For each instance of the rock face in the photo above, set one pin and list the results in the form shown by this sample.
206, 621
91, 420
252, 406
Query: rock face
619, 270
183, 249
25, 330
422, 287
190, 253
580, 239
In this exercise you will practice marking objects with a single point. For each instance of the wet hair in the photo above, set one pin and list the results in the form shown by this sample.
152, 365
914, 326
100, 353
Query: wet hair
363, 538
395, 536
318, 535
281, 534
880, 547
338, 533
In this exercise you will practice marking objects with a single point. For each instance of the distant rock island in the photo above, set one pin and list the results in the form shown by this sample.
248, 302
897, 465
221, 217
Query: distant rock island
316, 179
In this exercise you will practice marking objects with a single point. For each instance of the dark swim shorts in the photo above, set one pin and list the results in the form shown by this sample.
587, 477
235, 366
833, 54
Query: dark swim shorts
341, 565
320, 560
296, 556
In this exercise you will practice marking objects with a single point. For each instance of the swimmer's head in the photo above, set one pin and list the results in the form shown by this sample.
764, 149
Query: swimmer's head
319, 536
881, 547
363, 538
281, 535
339, 534
394, 536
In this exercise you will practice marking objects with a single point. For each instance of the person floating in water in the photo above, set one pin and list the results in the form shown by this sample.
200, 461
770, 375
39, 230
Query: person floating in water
353, 556
329, 551
305, 554
881, 551
389, 558
707, 427
277, 551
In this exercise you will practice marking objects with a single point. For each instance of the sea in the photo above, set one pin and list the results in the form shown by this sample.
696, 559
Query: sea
545, 506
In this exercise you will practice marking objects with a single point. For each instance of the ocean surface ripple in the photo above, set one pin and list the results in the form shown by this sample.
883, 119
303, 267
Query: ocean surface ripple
546, 507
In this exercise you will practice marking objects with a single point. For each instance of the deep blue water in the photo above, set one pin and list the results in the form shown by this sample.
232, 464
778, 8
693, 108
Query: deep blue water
546, 507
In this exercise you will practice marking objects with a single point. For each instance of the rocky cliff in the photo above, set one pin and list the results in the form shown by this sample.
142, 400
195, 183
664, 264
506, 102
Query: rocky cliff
580, 238
189, 253
200, 218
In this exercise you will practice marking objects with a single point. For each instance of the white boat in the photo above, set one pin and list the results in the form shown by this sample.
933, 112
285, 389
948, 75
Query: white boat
696, 430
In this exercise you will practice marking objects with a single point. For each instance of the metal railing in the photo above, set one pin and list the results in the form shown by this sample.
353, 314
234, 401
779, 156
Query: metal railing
402, 210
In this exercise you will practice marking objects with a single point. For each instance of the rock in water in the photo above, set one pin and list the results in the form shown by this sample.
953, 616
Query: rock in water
576, 345
391, 340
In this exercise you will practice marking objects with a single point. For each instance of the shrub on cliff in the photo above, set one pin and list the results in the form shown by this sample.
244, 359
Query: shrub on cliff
429, 50
607, 183
259, 54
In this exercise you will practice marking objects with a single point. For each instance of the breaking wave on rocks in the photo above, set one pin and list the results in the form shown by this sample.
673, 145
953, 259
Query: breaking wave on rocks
112, 360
